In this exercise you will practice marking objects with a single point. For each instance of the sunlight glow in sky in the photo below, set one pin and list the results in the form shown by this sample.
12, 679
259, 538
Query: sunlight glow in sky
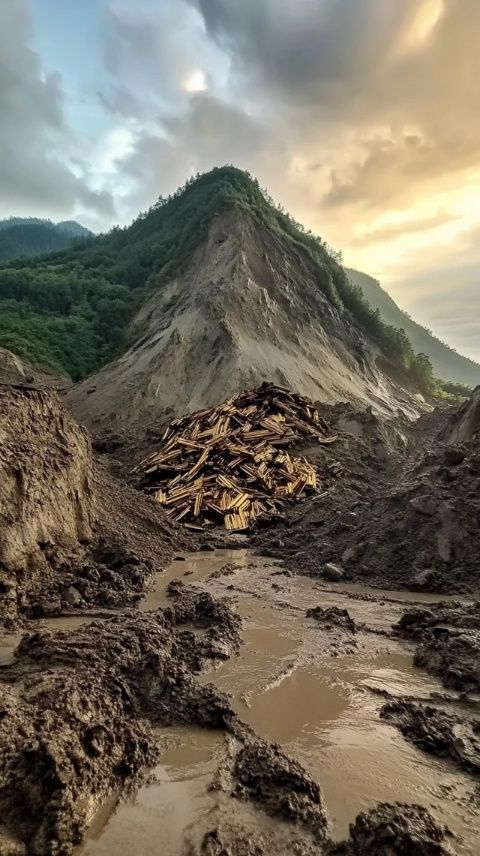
359, 116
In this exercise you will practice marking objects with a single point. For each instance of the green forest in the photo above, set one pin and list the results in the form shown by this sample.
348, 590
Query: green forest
32, 239
70, 310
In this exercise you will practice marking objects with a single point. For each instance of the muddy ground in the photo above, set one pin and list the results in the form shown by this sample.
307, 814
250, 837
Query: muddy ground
249, 650
230, 644
399, 505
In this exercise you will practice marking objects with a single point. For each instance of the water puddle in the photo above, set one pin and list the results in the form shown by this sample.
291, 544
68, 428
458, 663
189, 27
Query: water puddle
194, 568
161, 816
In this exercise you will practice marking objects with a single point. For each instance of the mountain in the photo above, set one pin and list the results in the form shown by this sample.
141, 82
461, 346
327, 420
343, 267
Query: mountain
446, 362
25, 237
210, 290
73, 228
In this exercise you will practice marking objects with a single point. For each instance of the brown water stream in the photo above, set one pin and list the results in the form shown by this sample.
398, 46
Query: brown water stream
290, 688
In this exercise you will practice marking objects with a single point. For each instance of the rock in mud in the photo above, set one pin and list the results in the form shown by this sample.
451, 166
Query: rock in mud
424, 505
437, 732
454, 657
333, 572
332, 617
197, 607
395, 829
76, 711
228, 570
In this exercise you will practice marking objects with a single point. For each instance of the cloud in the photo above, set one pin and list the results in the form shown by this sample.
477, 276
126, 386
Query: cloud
360, 116
152, 52
395, 84
405, 226
34, 176
207, 133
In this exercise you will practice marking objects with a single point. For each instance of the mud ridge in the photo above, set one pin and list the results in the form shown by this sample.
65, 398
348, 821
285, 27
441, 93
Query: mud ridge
437, 732
76, 716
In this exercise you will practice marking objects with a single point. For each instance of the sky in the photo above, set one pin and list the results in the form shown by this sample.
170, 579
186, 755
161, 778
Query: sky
361, 117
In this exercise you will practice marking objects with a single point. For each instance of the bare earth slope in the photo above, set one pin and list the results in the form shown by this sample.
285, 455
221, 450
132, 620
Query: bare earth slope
447, 363
247, 309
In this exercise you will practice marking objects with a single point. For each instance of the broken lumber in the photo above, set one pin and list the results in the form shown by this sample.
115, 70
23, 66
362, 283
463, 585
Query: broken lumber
228, 464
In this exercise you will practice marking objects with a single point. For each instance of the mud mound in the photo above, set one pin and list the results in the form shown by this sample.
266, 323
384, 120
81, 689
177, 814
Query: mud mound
247, 309
75, 709
396, 830
332, 617
71, 535
437, 732
46, 493
449, 642
264, 774
46, 488
409, 521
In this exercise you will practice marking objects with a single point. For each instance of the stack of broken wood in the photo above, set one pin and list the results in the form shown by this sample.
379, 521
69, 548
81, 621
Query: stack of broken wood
229, 464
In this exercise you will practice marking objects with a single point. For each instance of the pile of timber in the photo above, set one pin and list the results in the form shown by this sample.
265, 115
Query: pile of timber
229, 465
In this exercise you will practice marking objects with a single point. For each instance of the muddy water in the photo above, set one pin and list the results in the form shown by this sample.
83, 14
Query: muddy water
297, 688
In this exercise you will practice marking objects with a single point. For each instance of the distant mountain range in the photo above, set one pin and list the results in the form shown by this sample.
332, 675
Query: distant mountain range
447, 363
24, 237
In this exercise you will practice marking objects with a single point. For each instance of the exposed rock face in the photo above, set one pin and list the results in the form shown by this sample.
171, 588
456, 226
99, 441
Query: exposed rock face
247, 309
465, 425
46, 493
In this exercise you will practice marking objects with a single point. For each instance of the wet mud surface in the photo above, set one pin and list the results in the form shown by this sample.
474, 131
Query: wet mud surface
297, 683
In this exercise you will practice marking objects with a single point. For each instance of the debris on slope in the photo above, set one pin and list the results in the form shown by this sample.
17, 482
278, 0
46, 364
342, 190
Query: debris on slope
15, 371
229, 465
248, 307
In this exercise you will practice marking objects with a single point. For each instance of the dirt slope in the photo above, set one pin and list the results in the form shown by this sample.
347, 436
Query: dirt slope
247, 309
13, 370
71, 534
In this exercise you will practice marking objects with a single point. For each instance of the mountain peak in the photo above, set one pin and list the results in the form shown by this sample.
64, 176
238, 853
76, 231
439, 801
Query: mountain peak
80, 327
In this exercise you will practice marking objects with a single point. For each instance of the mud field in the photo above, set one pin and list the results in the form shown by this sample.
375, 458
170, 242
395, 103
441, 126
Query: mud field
322, 672
313, 688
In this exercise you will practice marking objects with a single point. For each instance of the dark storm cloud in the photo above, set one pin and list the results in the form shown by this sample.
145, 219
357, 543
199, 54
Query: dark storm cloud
308, 45
33, 177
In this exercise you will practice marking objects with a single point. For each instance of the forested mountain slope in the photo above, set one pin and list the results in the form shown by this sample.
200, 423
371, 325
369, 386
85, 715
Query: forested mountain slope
30, 236
447, 363
72, 311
